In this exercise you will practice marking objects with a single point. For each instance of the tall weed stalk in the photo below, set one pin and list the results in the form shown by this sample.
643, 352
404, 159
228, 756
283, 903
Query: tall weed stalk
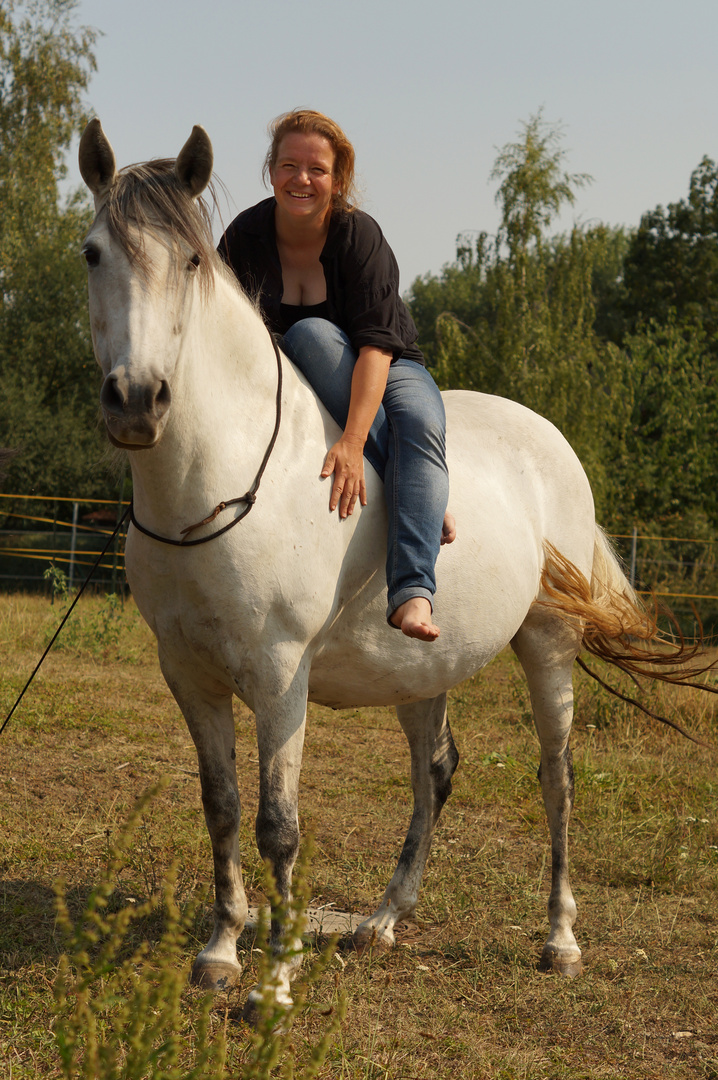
118, 1009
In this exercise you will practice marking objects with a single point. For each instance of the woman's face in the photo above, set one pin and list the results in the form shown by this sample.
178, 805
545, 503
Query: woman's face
302, 177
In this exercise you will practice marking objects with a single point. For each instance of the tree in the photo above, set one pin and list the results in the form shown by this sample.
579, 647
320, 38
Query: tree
671, 267
533, 188
515, 316
47, 396
667, 455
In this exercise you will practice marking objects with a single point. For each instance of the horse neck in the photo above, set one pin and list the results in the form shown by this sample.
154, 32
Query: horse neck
222, 414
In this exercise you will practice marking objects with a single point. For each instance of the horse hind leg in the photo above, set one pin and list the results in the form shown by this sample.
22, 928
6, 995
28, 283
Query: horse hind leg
547, 648
434, 758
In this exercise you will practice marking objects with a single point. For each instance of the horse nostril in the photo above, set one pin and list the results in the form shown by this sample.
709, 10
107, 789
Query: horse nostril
163, 398
111, 397
156, 399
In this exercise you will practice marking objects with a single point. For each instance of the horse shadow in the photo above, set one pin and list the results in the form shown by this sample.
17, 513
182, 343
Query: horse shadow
31, 932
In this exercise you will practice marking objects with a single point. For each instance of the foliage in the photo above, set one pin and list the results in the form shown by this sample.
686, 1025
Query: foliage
48, 391
666, 456
57, 580
516, 316
532, 187
671, 267
612, 336
96, 629
117, 1009
118, 1005
270, 1042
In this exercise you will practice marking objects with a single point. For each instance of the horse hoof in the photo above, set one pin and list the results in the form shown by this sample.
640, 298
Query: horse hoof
215, 976
551, 962
366, 938
252, 1016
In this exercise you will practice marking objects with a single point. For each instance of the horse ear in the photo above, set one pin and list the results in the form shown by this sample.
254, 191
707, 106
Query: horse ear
193, 166
97, 159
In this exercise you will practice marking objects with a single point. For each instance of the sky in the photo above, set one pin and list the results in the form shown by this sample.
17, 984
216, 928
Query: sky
428, 92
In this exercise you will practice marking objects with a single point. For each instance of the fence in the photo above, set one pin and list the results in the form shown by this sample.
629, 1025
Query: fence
77, 533
681, 571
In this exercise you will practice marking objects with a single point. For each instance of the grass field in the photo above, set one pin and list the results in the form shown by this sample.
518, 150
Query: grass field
461, 995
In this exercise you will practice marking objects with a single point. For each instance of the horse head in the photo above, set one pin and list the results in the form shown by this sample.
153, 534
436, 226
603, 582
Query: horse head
149, 244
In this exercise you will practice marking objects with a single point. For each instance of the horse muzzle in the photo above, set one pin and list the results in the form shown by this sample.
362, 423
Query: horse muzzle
134, 412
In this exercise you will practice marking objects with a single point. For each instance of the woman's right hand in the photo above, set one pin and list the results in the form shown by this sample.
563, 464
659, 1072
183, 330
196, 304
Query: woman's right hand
346, 461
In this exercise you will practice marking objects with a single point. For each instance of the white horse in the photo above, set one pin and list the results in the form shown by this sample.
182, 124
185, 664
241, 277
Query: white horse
289, 605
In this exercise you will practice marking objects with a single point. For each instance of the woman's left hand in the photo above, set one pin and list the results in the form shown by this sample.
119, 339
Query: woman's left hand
346, 461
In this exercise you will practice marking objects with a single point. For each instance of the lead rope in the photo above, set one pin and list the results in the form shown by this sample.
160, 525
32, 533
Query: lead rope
67, 616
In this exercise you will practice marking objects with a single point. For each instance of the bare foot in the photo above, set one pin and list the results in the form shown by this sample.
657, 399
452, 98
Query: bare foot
413, 618
448, 532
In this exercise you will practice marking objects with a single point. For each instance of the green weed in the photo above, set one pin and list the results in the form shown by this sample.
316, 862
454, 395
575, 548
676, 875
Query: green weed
120, 1005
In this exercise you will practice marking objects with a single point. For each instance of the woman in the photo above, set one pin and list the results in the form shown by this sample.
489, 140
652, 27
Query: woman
328, 282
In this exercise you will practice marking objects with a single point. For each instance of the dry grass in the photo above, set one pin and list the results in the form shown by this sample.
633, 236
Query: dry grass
460, 996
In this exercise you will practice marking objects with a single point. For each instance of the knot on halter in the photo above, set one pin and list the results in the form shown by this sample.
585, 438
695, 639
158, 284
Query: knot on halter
250, 498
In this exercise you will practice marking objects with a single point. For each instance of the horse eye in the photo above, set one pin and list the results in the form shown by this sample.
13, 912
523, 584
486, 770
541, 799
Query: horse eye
92, 255
195, 261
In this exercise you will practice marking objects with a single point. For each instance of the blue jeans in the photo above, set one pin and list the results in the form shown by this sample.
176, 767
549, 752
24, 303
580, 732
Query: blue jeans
406, 446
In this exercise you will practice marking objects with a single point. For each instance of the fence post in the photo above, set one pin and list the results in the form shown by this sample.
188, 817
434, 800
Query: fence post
73, 542
634, 545
117, 538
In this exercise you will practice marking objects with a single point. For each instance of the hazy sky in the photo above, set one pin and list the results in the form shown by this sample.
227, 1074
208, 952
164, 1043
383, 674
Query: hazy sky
426, 91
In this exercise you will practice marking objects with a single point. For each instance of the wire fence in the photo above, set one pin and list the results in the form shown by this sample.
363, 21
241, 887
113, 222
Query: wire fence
66, 533
69, 533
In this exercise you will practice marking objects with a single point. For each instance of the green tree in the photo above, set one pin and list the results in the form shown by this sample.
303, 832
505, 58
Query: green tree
667, 455
515, 316
48, 390
671, 267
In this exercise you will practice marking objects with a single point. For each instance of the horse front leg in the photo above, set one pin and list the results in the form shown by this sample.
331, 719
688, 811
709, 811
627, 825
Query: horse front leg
434, 758
210, 719
547, 648
281, 723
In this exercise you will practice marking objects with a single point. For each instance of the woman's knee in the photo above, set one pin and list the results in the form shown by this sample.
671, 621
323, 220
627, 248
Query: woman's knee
412, 392
309, 336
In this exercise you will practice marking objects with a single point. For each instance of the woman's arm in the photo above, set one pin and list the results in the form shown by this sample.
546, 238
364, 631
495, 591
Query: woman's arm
346, 457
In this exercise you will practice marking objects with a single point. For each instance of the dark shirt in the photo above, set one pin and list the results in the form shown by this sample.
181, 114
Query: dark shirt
289, 314
361, 273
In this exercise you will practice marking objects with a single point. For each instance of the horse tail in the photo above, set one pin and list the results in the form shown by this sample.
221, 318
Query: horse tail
616, 625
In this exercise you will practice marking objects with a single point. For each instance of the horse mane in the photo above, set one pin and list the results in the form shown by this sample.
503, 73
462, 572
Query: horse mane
149, 198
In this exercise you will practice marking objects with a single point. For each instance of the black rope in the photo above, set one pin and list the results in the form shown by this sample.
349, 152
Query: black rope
250, 497
67, 616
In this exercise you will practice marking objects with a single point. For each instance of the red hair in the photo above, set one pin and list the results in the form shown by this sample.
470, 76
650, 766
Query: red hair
309, 122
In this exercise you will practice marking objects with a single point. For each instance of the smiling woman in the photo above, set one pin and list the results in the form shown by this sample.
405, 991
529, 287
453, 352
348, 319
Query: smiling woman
328, 282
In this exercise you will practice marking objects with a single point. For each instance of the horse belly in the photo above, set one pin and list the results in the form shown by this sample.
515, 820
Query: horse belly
515, 484
486, 583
